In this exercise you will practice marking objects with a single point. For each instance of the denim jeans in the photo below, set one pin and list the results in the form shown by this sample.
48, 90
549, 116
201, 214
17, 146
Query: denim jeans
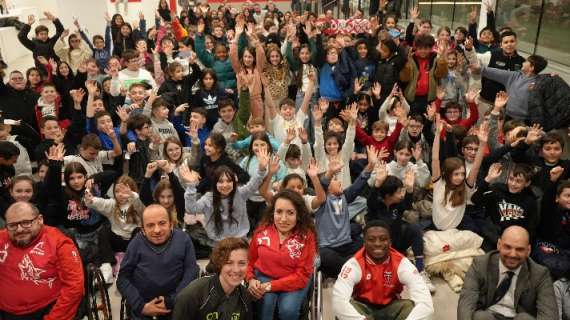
288, 303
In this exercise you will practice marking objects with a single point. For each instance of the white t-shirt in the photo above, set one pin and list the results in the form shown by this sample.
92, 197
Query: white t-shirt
280, 126
447, 217
94, 166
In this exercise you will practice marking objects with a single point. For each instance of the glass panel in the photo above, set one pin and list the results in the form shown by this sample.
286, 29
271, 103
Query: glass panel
523, 17
442, 13
554, 40
425, 9
462, 10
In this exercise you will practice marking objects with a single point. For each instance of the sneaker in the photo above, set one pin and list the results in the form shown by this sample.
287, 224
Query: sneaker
428, 282
107, 272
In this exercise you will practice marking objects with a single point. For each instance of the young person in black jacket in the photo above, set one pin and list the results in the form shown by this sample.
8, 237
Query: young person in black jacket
42, 45
509, 204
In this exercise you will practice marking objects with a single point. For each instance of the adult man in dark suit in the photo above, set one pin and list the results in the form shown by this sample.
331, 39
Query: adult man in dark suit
507, 284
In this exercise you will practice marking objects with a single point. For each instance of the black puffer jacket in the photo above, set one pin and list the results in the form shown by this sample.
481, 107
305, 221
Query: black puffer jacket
549, 102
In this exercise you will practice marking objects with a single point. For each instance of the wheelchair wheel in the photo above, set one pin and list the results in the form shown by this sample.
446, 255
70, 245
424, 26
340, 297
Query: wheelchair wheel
316, 303
98, 297
125, 310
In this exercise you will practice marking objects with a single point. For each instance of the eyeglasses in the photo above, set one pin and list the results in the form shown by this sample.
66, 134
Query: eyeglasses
452, 111
26, 224
470, 149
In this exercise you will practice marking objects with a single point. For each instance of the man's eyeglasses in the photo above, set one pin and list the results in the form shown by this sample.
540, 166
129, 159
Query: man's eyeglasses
26, 224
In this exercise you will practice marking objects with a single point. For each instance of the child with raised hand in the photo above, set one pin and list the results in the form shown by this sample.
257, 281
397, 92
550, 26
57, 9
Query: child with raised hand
100, 46
296, 158
452, 189
224, 207
452, 112
75, 51
337, 241
392, 106
42, 44
156, 108
124, 211
328, 147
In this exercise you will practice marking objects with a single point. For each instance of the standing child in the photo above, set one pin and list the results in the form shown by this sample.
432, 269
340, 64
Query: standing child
42, 45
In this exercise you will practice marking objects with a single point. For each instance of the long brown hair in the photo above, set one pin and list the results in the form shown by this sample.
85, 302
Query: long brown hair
132, 216
458, 193
305, 223
160, 187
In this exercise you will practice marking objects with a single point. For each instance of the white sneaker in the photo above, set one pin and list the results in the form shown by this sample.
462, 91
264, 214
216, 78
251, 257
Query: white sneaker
107, 272
428, 282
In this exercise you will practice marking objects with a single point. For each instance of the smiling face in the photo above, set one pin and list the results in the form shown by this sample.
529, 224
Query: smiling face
23, 190
17, 81
225, 185
227, 113
122, 193
160, 112
509, 45
452, 114
331, 146
136, 94
51, 130
390, 23
77, 181
378, 134
296, 185
248, 59
458, 176
157, 226
517, 183
287, 112
104, 123
21, 237
470, 151
34, 78
274, 57
259, 145
513, 248
551, 152
284, 216
234, 270
563, 199
210, 149
403, 156
304, 55
377, 243
173, 152
486, 37
49, 94
208, 81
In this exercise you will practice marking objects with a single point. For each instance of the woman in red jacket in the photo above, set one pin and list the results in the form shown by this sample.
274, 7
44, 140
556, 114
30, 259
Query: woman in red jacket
282, 252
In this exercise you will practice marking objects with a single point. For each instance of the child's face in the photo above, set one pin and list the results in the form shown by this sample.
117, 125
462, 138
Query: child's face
516, 184
296, 185
378, 134
227, 114
255, 128
332, 56
166, 198
209, 44
335, 187
34, 78
452, 114
552, 152
98, 105
459, 36
198, 119
122, 193
64, 69
218, 32
396, 197
458, 176
173, 151
274, 58
287, 112
42, 36
563, 199
92, 68
423, 52
425, 28
136, 94
363, 106
443, 36
77, 181
390, 23
89, 153
527, 67
509, 44
293, 163
49, 94
125, 30
208, 81
225, 185
335, 126
210, 149
451, 60
415, 128
362, 51
248, 59
470, 151
51, 130
22, 191
42, 172
114, 64
160, 113
99, 44
258, 145
104, 123
486, 37
178, 74
403, 156
332, 146
145, 132
304, 55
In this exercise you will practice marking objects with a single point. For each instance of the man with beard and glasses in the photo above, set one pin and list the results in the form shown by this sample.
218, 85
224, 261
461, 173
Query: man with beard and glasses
41, 275
507, 284
370, 283
159, 262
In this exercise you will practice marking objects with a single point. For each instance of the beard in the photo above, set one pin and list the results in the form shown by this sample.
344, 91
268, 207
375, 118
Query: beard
21, 243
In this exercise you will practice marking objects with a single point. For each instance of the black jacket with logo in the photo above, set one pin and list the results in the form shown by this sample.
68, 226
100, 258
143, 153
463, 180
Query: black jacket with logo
500, 61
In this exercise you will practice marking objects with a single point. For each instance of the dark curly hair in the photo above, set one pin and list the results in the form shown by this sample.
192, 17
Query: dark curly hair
305, 223
223, 249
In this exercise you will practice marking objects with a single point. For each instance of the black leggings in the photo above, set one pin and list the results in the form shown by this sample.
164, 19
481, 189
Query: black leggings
37, 315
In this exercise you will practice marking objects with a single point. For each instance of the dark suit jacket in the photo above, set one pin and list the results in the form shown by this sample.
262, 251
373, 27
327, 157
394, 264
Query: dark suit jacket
534, 293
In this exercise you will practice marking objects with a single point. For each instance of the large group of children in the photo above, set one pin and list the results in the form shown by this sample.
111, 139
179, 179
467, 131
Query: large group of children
212, 111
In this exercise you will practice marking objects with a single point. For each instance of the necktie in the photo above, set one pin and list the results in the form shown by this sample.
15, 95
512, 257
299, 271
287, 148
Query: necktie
503, 287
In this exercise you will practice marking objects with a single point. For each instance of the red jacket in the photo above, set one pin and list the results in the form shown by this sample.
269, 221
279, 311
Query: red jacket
388, 142
48, 270
290, 264
63, 123
466, 123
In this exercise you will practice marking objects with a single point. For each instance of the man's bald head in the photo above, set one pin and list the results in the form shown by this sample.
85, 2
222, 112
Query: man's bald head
157, 224
514, 246
24, 222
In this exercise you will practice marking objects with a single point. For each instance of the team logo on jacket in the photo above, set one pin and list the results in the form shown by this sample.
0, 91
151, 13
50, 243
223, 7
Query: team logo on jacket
294, 246
388, 279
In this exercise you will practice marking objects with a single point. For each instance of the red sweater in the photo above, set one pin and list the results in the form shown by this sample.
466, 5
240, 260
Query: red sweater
388, 142
48, 270
290, 263
466, 123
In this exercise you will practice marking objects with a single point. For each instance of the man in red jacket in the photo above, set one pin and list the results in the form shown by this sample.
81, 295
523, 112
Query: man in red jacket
41, 275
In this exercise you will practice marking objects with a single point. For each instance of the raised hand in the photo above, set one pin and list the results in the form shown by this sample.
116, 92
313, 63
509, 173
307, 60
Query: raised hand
110, 131
317, 114
417, 152
415, 12
471, 95
56, 152
123, 114
64, 34
372, 154
324, 104
313, 168
383, 153
400, 112
353, 112
49, 16
189, 176
193, 131
494, 172
357, 85
107, 17
263, 156
181, 109
31, 19
483, 133
376, 90
468, 43
131, 147
141, 15
303, 135
501, 100
88, 196
438, 125
409, 180
430, 111
291, 134
556, 173
335, 166
77, 95
440, 93
381, 173
274, 165
534, 134
473, 15
76, 23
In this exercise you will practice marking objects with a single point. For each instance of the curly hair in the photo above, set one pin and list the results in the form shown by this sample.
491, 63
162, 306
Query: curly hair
223, 249
304, 224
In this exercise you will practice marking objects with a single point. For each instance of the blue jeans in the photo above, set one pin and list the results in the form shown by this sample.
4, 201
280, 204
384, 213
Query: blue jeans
289, 303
